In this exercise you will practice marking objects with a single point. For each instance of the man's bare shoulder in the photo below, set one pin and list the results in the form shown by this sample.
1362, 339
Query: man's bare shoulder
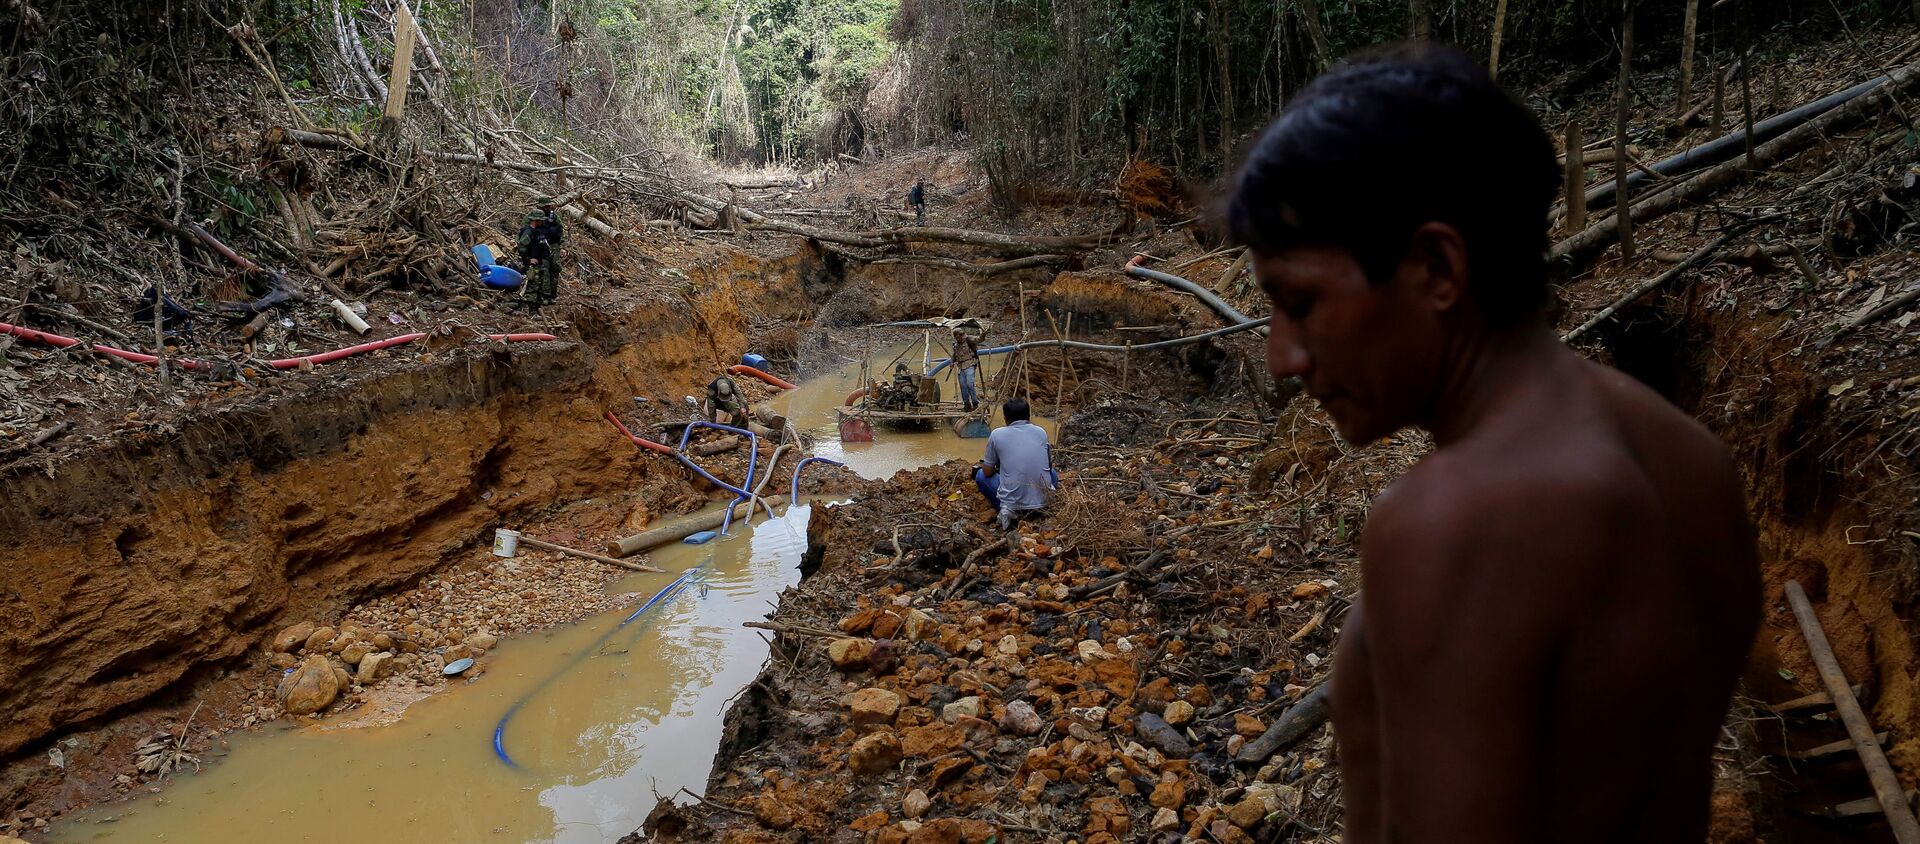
1541, 519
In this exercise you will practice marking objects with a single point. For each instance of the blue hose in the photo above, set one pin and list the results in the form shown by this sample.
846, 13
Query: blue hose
794, 497
753, 460
666, 593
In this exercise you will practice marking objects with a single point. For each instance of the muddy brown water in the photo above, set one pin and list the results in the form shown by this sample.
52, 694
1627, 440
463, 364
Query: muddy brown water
611, 718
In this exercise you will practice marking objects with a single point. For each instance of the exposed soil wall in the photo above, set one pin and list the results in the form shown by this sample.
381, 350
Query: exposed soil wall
1832, 505
138, 561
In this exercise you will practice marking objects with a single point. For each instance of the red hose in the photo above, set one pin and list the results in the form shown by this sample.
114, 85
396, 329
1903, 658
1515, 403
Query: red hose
639, 441
743, 369
854, 396
336, 354
59, 341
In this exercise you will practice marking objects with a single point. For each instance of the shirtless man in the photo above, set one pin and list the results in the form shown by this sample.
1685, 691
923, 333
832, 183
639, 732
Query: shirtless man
1560, 597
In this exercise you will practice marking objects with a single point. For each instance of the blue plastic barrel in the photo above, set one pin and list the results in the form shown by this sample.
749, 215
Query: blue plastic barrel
756, 361
501, 278
700, 538
483, 255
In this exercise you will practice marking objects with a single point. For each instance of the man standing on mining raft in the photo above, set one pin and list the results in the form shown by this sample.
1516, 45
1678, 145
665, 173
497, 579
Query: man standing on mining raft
1558, 599
966, 365
540, 234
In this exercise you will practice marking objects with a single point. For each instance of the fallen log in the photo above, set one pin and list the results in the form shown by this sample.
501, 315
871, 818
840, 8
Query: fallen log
1581, 246
1028, 262
719, 446
1293, 725
680, 529
901, 236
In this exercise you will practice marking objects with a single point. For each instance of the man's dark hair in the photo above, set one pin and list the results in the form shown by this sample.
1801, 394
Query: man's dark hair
1016, 410
1390, 141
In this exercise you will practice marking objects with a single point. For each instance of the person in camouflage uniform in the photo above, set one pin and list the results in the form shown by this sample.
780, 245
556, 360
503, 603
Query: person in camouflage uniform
540, 235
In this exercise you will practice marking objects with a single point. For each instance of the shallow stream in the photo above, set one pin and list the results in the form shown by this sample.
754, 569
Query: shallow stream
610, 718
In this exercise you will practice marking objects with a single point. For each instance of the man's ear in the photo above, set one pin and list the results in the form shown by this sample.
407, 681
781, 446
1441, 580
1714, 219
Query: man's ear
1437, 256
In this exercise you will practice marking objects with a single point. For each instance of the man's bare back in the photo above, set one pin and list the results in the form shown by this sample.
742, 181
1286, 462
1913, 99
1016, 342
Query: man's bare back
1558, 600
1558, 605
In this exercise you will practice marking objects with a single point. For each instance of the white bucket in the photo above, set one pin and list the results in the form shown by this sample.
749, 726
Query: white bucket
506, 543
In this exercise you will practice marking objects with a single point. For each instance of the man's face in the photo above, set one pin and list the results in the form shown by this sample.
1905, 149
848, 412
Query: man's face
1369, 353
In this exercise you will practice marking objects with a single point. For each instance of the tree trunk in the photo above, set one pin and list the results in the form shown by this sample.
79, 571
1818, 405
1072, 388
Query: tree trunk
1746, 110
1317, 33
1576, 179
1687, 32
1719, 101
1499, 29
1421, 12
1623, 208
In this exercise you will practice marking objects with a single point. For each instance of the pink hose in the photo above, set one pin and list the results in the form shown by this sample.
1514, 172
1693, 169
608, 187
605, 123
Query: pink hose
743, 369
639, 441
59, 341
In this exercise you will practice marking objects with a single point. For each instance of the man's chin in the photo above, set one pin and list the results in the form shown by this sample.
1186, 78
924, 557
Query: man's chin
1356, 431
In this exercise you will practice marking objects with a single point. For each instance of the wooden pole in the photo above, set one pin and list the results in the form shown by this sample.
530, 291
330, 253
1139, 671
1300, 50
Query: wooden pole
1623, 115
1886, 785
585, 555
403, 37
1746, 111
1499, 29
1719, 101
1687, 32
1744, 29
1576, 179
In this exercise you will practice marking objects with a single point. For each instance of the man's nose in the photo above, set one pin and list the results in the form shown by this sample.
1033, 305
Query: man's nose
1286, 356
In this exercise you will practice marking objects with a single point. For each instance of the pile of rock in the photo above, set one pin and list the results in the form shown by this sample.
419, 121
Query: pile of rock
321, 662
1048, 690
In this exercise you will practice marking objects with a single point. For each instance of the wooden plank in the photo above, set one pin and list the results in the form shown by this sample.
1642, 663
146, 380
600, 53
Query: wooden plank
403, 38
1832, 748
1817, 700
1864, 806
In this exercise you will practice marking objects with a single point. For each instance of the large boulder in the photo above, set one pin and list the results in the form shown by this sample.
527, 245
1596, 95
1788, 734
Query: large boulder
291, 637
374, 667
310, 688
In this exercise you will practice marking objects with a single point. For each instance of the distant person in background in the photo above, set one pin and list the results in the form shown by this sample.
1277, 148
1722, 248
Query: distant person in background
966, 362
1016, 476
917, 199
540, 233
